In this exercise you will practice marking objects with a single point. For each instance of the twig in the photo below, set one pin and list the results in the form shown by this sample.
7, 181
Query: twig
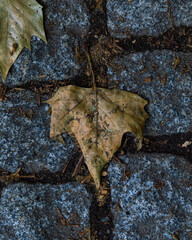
83, 233
117, 159
65, 167
63, 221
74, 215
74, 225
93, 75
78, 166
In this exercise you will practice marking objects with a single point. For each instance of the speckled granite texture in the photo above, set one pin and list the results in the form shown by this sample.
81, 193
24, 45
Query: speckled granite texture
154, 200
32, 211
146, 17
147, 196
24, 136
153, 76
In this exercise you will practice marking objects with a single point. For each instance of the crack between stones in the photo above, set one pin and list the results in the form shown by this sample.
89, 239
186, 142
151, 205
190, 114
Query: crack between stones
175, 144
176, 39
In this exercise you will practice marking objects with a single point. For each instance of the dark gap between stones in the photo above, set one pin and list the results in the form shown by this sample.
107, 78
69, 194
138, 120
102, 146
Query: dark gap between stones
48, 87
177, 39
45, 176
99, 230
172, 144
101, 217
98, 21
169, 144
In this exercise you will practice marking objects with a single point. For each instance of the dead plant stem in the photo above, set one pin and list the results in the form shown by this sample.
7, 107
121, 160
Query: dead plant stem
91, 68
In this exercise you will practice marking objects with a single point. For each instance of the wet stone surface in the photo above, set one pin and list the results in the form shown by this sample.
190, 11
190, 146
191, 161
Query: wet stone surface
165, 79
24, 136
151, 197
146, 17
65, 23
37, 211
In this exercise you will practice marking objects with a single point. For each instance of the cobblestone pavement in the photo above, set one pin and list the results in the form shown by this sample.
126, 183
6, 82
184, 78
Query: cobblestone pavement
141, 46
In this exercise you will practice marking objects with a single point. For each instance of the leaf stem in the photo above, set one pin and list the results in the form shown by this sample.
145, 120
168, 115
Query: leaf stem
93, 75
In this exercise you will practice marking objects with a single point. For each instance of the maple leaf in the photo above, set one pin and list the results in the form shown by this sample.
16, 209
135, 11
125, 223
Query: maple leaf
19, 21
98, 119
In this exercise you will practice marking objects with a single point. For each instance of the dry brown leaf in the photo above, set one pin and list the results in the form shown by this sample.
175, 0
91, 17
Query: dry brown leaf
98, 119
20, 20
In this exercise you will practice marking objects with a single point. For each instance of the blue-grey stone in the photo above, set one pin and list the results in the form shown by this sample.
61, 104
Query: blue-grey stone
31, 212
65, 23
24, 136
146, 17
151, 197
155, 77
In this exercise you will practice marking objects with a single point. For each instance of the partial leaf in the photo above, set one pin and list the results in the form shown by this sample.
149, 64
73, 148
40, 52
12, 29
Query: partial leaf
98, 119
19, 21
